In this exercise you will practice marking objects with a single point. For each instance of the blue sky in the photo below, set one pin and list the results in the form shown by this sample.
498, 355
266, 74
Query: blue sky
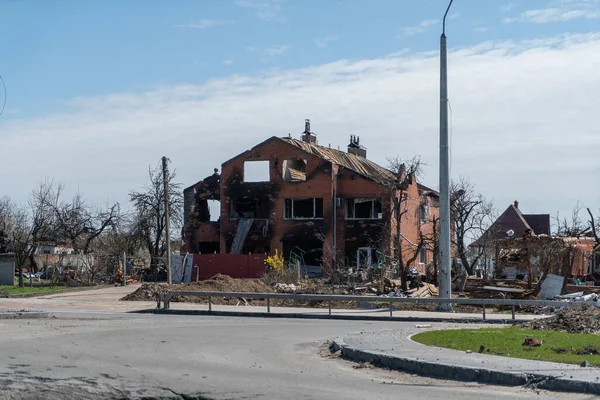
60, 49
88, 81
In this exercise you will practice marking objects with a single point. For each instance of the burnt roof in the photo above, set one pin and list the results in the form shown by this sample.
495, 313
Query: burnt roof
424, 188
360, 165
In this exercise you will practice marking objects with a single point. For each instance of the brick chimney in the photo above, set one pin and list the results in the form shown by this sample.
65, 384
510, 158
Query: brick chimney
355, 148
307, 135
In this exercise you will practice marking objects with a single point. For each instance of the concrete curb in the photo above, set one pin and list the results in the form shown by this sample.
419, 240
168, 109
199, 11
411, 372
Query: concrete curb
325, 316
463, 373
23, 314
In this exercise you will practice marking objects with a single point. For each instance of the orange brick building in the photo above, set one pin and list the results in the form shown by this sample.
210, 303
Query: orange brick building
327, 207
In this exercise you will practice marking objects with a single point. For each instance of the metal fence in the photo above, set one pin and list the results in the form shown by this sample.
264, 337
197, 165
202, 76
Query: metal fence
370, 299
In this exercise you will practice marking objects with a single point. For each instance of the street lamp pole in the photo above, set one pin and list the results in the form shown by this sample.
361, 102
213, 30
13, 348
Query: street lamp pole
445, 288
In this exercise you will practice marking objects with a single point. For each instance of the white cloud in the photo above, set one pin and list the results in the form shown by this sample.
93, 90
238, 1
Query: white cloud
324, 42
547, 15
524, 122
421, 27
227, 62
507, 7
268, 10
560, 11
481, 29
205, 24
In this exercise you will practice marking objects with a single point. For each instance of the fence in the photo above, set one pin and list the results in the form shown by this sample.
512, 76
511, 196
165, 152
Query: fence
234, 265
370, 299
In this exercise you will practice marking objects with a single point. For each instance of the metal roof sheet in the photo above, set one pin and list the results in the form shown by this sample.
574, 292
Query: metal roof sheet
360, 165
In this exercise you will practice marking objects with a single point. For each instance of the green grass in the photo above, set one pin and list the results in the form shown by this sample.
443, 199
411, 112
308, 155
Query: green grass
563, 347
15, 290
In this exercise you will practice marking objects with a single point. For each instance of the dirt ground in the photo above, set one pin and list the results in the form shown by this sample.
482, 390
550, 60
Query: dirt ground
580, 319
224, 283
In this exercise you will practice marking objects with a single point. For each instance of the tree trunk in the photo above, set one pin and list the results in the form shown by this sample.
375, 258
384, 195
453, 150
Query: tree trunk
20, 269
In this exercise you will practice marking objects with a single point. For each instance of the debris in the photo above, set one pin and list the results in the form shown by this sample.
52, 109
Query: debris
504, 289
585, 364
587, 350
532, 342
422, 326
286, 288
551, 286
468, 351
584, 318
481, 349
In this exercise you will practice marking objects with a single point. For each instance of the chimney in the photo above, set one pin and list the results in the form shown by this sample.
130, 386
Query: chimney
307, 135
355, 148
516, 204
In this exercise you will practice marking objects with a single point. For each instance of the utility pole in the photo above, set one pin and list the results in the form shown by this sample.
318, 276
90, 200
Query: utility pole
167, 227
445, 275
124, 269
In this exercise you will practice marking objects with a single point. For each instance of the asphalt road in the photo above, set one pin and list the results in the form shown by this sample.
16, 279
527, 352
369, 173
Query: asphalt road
190, 357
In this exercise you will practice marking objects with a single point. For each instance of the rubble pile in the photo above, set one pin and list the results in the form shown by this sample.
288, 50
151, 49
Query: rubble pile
149, 291
225, 283
578, 319
499, 288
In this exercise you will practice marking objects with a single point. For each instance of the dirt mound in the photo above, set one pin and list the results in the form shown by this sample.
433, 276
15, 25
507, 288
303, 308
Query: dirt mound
225, 283
580, 319
150, 291
218, 283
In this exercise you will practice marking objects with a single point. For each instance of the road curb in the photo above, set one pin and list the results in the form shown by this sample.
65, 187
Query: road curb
463, 373
333, 316
23, 314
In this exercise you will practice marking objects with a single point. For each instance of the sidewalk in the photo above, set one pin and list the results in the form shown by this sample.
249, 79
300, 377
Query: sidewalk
395, 350
108, 300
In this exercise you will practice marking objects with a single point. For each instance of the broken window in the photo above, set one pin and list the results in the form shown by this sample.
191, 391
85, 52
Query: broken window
363, 209
256, 171
423, 212
294, 170
364, 257
423, 256
311, 208
249, 208
214, 207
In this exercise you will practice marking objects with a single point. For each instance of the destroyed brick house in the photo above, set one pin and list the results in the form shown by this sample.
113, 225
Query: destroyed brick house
516, 243
321, 206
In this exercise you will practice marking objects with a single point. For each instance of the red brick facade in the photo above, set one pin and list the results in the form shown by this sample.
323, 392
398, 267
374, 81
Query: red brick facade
341, 184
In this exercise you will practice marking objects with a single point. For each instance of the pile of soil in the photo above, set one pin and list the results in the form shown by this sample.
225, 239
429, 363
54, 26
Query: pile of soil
218, 283
225, 283
580, 319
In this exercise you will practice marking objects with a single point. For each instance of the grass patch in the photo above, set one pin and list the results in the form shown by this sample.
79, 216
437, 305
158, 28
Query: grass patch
563, 347
30, 290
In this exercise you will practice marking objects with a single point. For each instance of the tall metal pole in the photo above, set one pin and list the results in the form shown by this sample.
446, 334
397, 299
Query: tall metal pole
124, 269
445, 281
167, 227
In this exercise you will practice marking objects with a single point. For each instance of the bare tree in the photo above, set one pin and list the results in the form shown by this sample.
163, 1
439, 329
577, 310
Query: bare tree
32, 225
397, 186
6, 222
81, 224
471, 215
571, 227
433, 244
149, 213
593, 228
